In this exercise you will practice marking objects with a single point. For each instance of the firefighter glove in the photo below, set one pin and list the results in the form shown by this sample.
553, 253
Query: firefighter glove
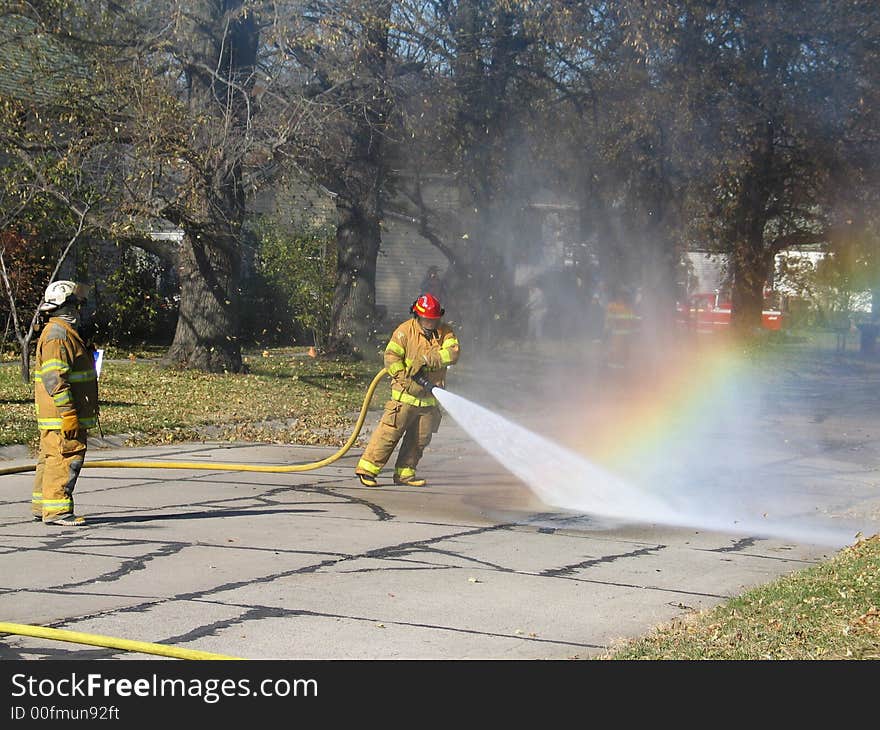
432, 357
69, 424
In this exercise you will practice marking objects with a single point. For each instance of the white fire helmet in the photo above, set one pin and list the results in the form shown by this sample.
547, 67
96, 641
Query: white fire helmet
59, 292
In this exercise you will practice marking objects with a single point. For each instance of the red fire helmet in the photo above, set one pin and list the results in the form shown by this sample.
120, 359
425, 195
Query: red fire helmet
428, 307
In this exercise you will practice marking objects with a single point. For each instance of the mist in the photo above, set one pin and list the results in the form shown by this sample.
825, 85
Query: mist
707, 440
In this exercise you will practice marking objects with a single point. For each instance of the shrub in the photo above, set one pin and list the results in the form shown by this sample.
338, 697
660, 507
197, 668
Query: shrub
290, 290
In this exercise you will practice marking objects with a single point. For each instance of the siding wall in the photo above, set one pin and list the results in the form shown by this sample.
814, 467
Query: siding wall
707, 270
404, 257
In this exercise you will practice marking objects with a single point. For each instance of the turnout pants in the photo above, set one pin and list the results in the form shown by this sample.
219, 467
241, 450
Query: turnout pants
414, 424
58, 466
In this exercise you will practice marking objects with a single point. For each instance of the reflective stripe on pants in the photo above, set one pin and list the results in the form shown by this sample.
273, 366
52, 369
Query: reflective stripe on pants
58, 465
414, 424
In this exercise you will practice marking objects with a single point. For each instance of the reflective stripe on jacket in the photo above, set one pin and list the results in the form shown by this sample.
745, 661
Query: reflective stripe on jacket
621, 320
410, 350
64, 377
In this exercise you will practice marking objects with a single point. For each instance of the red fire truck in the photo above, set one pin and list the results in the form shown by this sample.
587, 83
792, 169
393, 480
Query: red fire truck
708, 312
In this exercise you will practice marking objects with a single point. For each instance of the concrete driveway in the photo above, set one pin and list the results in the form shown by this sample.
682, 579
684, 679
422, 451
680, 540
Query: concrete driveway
311, 565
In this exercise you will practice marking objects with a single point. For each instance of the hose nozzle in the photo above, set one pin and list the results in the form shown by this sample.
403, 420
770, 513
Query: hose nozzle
421, 379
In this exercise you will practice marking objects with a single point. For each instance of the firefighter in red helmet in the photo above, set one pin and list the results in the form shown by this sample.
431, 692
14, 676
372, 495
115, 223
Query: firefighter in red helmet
416, 357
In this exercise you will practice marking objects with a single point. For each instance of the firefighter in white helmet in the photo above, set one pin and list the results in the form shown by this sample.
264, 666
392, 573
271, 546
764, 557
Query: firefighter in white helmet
66, 395
416, 358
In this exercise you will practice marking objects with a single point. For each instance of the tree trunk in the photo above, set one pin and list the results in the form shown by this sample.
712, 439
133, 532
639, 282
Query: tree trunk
752, 258
219, 68
353, 317
25, 363
354, 299
750, 271
25, 343
207, 326
657, 296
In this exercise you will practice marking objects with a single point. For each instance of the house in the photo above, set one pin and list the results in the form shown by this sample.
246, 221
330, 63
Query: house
34, 66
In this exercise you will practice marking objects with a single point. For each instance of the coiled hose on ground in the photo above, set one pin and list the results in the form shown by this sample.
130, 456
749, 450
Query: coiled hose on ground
161, 649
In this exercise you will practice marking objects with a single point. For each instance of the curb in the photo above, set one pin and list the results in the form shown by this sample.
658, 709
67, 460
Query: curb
20, 452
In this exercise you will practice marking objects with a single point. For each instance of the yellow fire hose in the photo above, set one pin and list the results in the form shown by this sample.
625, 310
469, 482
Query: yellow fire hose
160, 649
276, 468
76, 637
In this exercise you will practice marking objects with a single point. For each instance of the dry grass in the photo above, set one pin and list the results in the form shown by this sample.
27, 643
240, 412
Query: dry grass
829, 611
286, 397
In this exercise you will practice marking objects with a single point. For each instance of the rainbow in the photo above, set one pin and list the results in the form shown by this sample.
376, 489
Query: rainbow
644, 411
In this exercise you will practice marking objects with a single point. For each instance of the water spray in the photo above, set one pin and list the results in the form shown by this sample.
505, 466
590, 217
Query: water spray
566, 480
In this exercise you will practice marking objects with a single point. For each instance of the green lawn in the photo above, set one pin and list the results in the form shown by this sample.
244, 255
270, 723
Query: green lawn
285, 397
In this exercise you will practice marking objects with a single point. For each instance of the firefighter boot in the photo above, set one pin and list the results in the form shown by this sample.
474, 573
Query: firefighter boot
68, 520
411, 482
406, 477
